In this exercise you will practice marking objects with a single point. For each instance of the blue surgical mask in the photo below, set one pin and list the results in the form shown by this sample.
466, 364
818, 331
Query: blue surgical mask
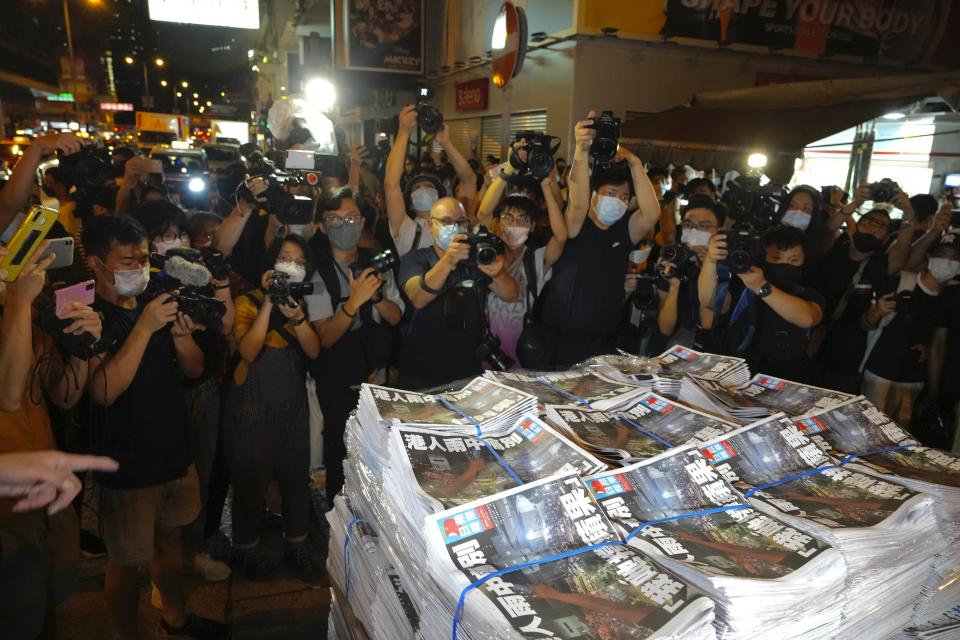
446, 235
422, 199
610, 209
796, 218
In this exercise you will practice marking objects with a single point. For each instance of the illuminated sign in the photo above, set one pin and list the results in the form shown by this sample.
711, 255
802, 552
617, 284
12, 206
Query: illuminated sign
116, 106
60, 97
238, 14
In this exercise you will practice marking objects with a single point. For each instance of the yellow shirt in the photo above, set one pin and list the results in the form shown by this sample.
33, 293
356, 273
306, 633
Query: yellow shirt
246, 312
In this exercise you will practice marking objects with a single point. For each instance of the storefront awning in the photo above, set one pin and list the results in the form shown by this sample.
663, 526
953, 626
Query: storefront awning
719, 129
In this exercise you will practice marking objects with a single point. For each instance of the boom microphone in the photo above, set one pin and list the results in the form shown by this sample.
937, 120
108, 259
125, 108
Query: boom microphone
190, 274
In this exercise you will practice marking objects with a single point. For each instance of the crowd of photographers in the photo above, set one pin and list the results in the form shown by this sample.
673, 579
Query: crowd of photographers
215, 340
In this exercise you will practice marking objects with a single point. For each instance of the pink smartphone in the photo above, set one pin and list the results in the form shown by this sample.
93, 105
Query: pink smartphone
82, 293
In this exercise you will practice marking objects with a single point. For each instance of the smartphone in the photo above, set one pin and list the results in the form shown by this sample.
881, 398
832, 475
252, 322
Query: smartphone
31, 233
82, 293
300, 159
63, 248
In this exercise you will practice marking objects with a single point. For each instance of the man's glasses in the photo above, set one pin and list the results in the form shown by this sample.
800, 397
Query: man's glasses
170, 236
335, 222
703, 225
448, 222
509, 218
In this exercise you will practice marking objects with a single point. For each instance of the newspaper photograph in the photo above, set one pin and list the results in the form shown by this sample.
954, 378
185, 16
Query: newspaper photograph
604, 432
568, 387
675, 423
792, 398
681, 361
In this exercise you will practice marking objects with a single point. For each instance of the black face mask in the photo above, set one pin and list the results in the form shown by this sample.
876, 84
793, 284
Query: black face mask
783, 276
866, 243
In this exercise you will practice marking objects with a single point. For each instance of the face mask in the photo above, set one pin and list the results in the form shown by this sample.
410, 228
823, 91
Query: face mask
163, 247
446, 235
866, 243
303, 230
695, 237
796, 218
296, 272
515, 237
610, 209
783, 276
943, 269
422, 199
664, 187
131, 283
345, 237
639, 256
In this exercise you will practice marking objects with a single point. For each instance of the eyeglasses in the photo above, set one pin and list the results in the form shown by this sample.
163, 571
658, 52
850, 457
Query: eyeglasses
335, 222
870, 222
703, 225
448, 222
509, 218
289, 260
170, 236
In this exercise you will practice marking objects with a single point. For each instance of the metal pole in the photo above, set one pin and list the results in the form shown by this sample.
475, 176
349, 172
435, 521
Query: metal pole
505, 123
73, 66
146, 82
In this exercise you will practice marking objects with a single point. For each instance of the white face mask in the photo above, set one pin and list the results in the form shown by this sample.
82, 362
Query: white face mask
131, 283
296, 272
796, 218
610, 209
943, 269
164, 247
639, 256
695, 237
515, 237
423, 198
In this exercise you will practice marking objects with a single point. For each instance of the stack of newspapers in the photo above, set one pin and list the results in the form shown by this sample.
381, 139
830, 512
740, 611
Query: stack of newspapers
887, 533
677, 497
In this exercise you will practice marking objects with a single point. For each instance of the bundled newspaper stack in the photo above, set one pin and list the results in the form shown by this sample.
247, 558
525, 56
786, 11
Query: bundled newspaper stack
946, 626
768, 579
607, 591
679, 362
887, 533
857, 430
583, 386
758, 398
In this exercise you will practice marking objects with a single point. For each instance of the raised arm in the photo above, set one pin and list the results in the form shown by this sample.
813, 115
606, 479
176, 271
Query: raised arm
900, 251
793, 309
918, 251
707, 280
227, 235
645, 217
357, 156
493, 194
559, 238
579, 203
16, 193
396, 207
468, 179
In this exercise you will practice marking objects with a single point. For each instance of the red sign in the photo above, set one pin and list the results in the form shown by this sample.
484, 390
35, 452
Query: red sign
509, 43
473, 95
116, 106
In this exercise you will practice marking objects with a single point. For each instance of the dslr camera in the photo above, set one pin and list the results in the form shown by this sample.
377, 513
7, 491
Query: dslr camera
281, 290
490, 350
539, 148
884, 190
485, 246
678, 254
604, 147
381, 263
202, 309
429, 118
753, 208
186, 282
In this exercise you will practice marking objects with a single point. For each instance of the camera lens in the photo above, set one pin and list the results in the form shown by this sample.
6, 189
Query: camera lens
429, 119
540, 163
486, 254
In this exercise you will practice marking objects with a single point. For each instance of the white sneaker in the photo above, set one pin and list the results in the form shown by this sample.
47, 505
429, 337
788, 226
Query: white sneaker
211, 570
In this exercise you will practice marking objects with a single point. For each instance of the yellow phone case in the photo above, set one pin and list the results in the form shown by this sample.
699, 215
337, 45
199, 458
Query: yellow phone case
25, 241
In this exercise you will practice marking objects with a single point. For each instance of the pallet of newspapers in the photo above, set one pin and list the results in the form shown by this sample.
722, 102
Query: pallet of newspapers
598, 503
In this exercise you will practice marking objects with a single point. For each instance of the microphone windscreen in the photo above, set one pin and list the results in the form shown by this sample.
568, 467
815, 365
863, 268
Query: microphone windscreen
187, 272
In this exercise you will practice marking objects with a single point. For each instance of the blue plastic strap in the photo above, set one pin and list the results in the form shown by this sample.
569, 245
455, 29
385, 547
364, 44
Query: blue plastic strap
646, 432
346, 555
574, 552
564, 392
503, 463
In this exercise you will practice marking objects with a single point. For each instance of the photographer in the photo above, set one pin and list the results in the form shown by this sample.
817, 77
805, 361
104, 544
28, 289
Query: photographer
516, 218
40, 549
17, 190
678, 270
139, 418
242, 236
267, 416
583, 302
445, 319
352, 312
900, 328
409, 230
768, 315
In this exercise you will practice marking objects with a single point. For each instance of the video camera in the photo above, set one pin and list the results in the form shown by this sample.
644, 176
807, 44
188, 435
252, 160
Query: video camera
87, 171
604, 147
539, 148
281, 290
211, 259
302, 168
753, 208
183, 276
490, 350
381, 263
485, 246
678, 255
429, 118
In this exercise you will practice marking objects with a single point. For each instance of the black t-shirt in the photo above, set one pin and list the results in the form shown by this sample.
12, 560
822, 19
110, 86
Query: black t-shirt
585, 292
949, 319
147, 429
893, 357
836, 271
439, 341
247, 256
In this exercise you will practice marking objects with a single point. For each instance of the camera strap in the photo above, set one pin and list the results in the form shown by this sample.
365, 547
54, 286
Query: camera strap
530, 271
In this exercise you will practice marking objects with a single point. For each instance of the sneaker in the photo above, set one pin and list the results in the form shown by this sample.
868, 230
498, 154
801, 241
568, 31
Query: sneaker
209, 569
255, 566
91, 545
195, 627
296, 556
156, 600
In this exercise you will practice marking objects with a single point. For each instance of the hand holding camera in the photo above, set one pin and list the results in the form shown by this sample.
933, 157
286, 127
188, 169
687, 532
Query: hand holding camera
158, 313
884, 306
65, 143
363, 288
717, 248
184, 325
607, 140
753, 278
408, 118
458, 250
584, 132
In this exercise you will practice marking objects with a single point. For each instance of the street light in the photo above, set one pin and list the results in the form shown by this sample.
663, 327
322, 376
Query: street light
128, 59
209, 104
196, 95
163, 83
184, 84
179, 95
159, 62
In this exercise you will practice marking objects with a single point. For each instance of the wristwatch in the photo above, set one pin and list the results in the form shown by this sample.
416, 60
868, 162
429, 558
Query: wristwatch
764, 290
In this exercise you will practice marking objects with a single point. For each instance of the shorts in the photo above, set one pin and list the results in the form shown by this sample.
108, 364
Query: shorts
132, 516
38, 568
